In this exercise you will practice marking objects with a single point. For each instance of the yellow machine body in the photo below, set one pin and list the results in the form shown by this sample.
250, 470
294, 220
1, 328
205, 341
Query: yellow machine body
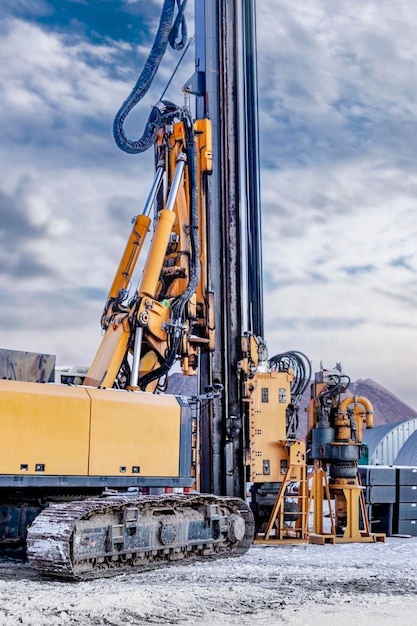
81, 431
44, 426
267, 416
126, 433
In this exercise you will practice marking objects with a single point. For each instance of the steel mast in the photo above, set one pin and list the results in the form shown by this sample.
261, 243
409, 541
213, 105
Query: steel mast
225, 85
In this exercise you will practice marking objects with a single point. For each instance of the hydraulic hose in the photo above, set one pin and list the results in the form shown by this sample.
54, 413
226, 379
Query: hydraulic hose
299, 363
167, 33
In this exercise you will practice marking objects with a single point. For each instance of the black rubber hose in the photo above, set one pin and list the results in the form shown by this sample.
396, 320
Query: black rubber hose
166, 32
180, 24
298, 362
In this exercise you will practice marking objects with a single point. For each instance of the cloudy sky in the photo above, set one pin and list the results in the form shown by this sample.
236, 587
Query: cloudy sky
338, 117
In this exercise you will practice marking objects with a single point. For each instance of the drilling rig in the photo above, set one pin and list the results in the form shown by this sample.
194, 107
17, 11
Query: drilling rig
80, 463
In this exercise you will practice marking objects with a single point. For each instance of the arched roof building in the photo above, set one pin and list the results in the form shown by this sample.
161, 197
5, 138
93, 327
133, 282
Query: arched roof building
408, 453
387, 441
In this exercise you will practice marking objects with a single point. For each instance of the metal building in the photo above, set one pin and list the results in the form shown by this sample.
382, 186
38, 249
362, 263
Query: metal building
408, 454
385, 442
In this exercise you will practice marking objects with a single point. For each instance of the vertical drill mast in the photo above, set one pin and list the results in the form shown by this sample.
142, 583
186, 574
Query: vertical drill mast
225, 86
251, 166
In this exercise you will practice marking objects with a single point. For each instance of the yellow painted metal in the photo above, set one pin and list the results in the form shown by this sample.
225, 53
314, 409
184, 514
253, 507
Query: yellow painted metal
155, 260
279, 529
296, 452
167, 268
321, 539
148, 363
109, 357
153, 316
318, 492
350, 500
130, 255
351, 495
205, 142
178, 133
372, 538
349, 504
180, 269
248, 365
316, 389
135, 429
44, 425
358, 412
260, 540
176, 271
203, 298
85, 431
267, 419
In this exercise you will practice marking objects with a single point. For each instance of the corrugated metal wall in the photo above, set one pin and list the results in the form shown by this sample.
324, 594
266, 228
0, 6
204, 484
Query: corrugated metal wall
385, 442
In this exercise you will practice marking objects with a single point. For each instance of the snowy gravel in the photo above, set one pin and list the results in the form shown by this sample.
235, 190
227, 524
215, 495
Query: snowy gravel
361, 584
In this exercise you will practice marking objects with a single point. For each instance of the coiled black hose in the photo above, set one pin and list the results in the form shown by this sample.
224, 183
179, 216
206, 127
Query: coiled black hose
301, 366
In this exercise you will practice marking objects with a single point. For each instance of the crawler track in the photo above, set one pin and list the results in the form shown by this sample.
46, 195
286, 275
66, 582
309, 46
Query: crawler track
100, 537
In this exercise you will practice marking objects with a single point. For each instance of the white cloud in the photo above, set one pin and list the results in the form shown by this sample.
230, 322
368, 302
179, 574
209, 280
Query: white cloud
338, 121
337, 118
50, 88
329, 256
59, 189
335, 73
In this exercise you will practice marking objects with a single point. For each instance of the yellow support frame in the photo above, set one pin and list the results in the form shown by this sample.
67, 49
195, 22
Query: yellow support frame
278, 530
284, 532
353, 501
320, 490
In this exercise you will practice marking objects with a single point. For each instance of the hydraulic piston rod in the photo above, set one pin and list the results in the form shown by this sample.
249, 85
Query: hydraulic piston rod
154, 262
136, 356
137, 237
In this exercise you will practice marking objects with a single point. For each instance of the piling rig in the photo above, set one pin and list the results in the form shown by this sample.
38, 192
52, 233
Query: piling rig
114, 475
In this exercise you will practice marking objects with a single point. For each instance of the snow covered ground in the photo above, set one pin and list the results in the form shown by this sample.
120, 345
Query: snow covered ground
360, 584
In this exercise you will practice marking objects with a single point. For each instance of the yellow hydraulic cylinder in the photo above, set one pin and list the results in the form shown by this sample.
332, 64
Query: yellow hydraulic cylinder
130, 255
154, 263
134, 245
150, 277
109, 357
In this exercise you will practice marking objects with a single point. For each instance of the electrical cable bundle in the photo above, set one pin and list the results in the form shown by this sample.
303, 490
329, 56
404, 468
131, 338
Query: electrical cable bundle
301, 366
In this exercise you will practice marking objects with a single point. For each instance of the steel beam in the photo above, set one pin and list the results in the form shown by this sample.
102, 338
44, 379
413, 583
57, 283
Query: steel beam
222, 79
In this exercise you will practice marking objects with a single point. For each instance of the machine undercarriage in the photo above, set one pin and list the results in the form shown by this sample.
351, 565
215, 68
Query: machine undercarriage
118, 534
